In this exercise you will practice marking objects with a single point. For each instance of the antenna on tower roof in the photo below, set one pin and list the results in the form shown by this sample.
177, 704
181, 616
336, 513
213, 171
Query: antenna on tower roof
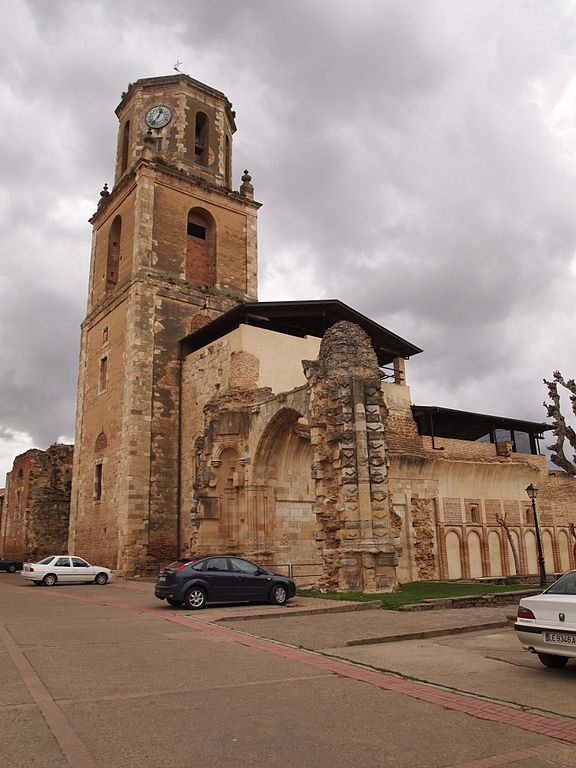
178, 65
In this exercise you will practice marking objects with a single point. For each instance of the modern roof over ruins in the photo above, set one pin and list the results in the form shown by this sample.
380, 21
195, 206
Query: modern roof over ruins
301, 318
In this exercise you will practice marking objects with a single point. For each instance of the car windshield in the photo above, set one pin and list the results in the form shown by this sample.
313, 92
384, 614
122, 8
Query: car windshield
566, 585
46, 560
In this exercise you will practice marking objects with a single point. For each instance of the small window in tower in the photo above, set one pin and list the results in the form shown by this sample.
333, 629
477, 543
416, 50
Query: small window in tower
113, 256
202, 138
125, 146
97, 482
103, 376
196, 230
105, 335
159, 144
228, 163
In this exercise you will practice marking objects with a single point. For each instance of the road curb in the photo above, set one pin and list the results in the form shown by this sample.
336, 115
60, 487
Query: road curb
370, 605
428, 633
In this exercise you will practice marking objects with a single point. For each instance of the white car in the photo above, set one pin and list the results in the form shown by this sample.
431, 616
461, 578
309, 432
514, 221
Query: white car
546, 623
65, 569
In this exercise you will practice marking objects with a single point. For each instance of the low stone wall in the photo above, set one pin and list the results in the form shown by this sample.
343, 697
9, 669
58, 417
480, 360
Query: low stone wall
471, 601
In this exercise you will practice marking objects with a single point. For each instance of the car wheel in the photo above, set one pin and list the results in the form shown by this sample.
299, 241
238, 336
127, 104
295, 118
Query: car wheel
12, 568
554, 662
195, 599
101, 578
174, 603
278, 596
49, 580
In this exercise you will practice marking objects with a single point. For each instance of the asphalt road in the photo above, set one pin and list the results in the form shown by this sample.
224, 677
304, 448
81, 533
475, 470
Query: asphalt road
109, 677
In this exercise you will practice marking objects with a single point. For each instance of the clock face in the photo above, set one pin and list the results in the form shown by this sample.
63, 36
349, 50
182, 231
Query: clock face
158, 117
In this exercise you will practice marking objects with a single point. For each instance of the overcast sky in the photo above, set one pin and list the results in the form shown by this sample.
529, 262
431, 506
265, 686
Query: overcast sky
415, 159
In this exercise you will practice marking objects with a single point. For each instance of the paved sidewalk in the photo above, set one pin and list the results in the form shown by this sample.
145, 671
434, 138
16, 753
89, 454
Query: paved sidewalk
113, 678
336, 628
339, 623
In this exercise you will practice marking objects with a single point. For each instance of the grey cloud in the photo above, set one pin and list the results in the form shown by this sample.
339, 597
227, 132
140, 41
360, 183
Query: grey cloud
403, 152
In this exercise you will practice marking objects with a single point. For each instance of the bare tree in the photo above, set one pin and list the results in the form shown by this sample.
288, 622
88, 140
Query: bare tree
562, 431
501, 520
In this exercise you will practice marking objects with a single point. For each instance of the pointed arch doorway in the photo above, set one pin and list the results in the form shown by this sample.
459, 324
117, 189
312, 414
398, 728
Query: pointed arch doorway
284, 491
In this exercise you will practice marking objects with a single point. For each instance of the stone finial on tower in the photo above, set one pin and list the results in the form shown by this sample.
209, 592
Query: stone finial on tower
247, 188
104, 193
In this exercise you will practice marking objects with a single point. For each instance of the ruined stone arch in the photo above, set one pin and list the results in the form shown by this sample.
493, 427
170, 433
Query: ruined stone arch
285, 489
226, 449
282, 440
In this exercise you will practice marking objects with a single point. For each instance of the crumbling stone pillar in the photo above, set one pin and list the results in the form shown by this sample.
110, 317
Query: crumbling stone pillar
354, 530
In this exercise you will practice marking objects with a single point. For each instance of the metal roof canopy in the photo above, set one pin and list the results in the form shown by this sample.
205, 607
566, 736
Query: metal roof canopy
300, 318
464, 425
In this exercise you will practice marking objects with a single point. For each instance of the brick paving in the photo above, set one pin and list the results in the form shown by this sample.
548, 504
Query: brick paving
375, 626
472, 705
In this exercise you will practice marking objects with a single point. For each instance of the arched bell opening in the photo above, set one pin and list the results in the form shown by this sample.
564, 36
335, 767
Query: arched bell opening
200, 248
113, 255
202, 139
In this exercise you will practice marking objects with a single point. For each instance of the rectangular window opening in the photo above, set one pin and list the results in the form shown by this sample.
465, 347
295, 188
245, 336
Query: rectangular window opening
103, 377
97, 482
196, 230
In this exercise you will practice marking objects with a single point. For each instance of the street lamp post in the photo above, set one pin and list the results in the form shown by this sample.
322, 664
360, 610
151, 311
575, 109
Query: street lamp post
532, 491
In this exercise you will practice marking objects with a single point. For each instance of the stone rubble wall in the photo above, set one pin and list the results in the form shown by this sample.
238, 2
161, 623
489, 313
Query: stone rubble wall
354, 527
37, 504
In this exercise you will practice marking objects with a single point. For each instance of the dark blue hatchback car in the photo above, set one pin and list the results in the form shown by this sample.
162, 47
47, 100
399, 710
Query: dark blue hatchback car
220, 579
7, 564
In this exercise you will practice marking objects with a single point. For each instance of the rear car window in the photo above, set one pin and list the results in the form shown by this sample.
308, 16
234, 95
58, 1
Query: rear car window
566, 585
178, 564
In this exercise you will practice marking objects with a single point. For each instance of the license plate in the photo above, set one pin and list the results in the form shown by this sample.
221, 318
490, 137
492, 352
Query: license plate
560, 637
161, 578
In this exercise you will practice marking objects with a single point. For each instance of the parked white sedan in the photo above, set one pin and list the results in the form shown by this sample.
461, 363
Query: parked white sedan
65, 569
546, 623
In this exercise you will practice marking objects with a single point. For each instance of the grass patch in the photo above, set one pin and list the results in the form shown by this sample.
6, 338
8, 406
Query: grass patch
421, 590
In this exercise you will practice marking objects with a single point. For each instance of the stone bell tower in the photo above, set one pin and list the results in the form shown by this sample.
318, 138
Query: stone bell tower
173, 247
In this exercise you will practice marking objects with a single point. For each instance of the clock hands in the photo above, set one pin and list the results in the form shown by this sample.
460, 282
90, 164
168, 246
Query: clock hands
158, 116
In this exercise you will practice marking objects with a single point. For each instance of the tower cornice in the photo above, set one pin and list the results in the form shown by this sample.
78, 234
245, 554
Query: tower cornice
152, 82
159, 167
